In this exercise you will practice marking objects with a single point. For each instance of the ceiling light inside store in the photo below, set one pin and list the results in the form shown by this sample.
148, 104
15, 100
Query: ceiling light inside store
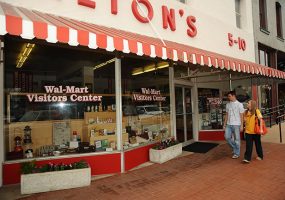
162, 65
137, 71
104, 64
25, 54
150, 68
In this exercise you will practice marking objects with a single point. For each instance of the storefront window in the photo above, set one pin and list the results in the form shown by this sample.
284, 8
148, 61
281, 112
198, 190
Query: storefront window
243, 90
211, 109
146, 101
58, 100
264, 93
265, 96
212, 100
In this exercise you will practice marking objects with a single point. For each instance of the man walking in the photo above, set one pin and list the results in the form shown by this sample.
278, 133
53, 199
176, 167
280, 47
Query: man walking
233, 123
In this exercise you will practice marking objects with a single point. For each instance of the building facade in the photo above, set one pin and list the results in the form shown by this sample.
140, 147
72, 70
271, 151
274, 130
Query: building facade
104, 80
269, 27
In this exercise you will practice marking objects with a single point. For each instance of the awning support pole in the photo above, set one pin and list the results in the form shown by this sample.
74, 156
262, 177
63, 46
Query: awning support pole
2, 147
119, 115
172, 100
230, 82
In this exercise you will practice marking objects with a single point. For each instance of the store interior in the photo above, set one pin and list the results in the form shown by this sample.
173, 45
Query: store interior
55, 126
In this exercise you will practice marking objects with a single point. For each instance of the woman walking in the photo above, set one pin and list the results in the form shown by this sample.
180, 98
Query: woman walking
251, 113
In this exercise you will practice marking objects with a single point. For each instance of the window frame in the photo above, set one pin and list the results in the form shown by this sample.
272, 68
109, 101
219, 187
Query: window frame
238, 13
183, 1
263, 14
279, 27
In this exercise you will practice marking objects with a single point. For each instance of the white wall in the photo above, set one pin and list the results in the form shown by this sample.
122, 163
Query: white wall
215, 19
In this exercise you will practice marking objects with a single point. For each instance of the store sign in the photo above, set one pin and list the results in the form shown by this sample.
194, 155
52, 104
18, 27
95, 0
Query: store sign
241, 43
144, 12
215, 101
63, 94
148, 94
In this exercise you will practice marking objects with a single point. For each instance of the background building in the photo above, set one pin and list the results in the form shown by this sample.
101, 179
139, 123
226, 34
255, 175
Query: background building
269, 30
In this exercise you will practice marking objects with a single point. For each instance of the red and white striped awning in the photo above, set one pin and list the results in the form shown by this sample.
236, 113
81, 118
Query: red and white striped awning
30, 24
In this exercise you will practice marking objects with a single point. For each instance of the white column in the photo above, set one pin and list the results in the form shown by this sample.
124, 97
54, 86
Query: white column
2, 148
119, 115
172, 101
195, 111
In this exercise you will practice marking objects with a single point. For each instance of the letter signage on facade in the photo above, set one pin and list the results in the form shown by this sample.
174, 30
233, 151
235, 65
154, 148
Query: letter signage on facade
144, 12
239, 41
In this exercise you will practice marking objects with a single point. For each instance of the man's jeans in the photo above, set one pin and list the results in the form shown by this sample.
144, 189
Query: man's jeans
232, 136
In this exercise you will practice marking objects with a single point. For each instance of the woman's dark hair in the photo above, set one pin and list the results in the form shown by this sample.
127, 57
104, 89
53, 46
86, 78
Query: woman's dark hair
233, 93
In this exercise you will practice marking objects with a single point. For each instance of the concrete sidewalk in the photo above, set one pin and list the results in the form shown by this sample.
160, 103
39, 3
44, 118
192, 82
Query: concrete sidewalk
211, 176
273, 134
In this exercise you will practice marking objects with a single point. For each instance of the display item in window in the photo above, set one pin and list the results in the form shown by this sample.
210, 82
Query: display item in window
29, 153
27, 135
18, 144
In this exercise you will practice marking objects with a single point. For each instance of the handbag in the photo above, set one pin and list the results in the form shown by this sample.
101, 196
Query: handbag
260, 127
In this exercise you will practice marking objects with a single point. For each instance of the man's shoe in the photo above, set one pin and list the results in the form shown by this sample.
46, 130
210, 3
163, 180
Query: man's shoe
259, 158
246, 161
235, 157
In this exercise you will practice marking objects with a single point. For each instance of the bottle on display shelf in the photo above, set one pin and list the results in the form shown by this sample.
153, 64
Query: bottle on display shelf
78, 138
100, 107
74, 136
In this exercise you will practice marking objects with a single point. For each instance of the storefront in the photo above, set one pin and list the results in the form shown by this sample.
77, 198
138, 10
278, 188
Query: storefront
74, 89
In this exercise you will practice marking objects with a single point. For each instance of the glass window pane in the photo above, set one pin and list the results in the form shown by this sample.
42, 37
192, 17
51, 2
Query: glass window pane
146, 100
62, 99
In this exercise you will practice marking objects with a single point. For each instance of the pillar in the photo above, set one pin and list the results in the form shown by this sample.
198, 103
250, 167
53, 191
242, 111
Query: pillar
2, 147
119, 112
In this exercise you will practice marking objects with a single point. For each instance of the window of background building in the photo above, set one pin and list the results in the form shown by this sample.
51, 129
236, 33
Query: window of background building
264, 58
263, 14
279, 20
238, 13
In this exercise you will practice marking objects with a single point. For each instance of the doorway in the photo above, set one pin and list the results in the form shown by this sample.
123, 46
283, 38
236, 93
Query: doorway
184, 114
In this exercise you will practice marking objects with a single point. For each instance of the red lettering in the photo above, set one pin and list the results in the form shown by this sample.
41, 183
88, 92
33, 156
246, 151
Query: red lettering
231, 40
87, 3
114, 7
168, 18
243, 45
239, 41
192, 31
136, 13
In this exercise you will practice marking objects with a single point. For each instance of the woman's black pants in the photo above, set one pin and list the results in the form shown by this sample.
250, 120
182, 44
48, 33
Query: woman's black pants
249, 145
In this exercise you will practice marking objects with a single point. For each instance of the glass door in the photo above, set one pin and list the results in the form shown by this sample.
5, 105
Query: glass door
183, 102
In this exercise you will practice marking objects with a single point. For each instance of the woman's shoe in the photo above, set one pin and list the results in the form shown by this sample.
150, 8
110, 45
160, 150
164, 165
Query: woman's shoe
259, 158
246, 161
